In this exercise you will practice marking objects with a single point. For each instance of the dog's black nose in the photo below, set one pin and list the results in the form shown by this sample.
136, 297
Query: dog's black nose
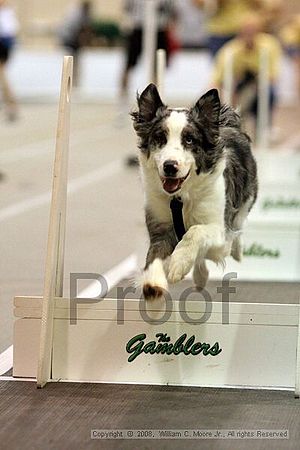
170, 168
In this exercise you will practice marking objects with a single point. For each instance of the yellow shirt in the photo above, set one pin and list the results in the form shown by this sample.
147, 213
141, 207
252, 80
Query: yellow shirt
247, 60
228, 17
291, 33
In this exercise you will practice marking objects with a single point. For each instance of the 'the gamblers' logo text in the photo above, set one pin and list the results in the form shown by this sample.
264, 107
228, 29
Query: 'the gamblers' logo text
188, 347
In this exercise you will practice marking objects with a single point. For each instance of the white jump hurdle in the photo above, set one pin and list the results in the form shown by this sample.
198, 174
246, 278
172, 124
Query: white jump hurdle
128, 342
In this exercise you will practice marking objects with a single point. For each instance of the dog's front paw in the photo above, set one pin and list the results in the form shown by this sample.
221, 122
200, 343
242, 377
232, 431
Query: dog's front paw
179, 266
152, 292
154, 282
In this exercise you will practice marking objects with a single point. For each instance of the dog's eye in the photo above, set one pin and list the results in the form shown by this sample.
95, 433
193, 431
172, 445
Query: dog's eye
189, 140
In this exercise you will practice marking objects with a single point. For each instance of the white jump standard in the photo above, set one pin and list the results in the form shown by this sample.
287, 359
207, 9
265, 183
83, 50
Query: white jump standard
53, 284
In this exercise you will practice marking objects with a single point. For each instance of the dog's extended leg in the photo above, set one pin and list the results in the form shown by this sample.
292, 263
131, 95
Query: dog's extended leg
162, 244
200, 274
197, 241
154, 280
154, 277
237, 249
237, 243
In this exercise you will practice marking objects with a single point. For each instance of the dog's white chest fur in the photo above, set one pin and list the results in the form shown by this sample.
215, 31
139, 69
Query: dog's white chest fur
204, 201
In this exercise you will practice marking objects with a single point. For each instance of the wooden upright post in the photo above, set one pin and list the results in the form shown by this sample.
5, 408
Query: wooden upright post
161, 62
54, 270
149, 39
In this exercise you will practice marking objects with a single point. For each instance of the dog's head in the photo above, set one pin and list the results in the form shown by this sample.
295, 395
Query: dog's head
178, 143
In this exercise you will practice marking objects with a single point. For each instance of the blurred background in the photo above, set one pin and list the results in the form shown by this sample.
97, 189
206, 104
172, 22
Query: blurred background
36, 56
249, 49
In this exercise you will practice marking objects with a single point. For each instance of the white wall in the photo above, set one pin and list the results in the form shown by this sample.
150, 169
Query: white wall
36, 73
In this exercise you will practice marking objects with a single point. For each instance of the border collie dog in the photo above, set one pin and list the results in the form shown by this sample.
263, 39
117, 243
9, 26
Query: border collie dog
200, 159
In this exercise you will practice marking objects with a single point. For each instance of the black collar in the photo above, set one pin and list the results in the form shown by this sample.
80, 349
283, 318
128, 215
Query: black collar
176, 208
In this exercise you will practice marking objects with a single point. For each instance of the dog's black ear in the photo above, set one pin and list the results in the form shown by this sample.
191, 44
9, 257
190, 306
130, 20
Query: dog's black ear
148, 102
208, 108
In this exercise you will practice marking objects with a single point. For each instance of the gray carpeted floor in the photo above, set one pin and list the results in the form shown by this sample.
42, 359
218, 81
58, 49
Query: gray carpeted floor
61, 416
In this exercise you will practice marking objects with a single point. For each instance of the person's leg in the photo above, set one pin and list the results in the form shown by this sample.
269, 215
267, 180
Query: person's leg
9, 100
246, 94
271, 107
8, 96
294, 54
124, 80
161, 43
133, 51
74, 51
271, 104
297, 63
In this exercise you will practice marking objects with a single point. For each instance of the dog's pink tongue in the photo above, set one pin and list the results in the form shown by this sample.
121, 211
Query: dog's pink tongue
171, 184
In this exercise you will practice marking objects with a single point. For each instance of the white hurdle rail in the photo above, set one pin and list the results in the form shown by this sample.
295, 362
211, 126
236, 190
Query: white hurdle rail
54, 271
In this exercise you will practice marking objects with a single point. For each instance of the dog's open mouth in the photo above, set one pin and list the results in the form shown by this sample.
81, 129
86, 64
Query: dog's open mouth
171, 184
